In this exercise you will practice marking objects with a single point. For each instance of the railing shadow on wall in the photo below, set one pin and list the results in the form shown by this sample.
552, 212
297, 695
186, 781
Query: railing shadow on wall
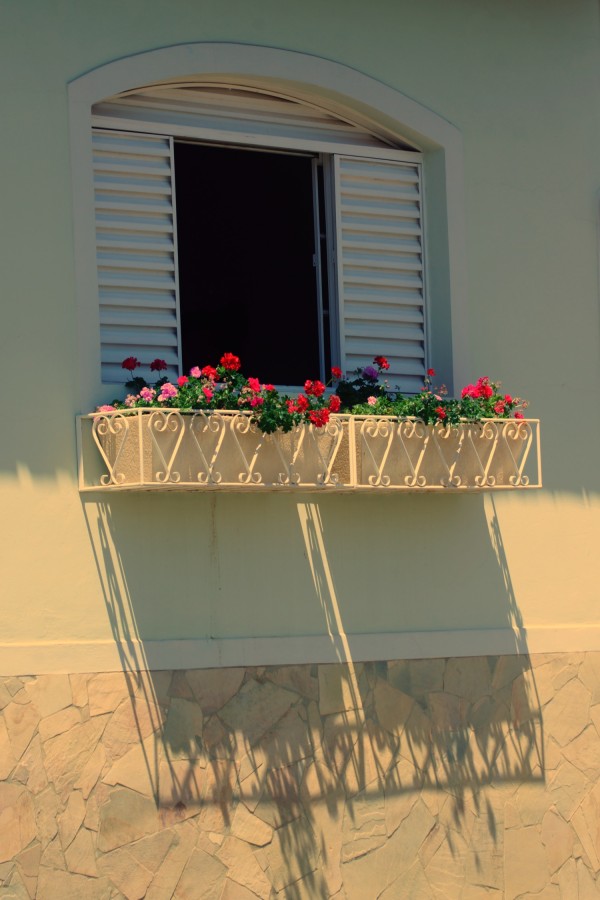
310, 768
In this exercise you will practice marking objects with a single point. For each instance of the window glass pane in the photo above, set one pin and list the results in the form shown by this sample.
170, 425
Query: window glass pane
245, 231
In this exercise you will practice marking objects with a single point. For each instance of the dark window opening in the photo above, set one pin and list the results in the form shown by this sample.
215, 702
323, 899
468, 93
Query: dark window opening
246, 253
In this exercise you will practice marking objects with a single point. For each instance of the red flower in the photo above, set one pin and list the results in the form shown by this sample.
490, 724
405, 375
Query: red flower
157, 365
508, 399
302, 403
499, 407
441, 412
431, 372
254, 385
336, 372
316, 388
334, 403
518, 415
131, 363
382, 362
209, 372
319, 417
230, 362
268, 387
183, 379
291, 406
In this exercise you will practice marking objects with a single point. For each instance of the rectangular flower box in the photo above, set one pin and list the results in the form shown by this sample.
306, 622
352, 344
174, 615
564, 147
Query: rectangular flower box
167, 449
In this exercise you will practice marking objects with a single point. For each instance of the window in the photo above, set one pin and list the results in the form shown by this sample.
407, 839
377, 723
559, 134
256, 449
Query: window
230, 219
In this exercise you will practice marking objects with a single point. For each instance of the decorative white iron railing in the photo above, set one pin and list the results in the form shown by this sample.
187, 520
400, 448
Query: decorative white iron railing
162, 449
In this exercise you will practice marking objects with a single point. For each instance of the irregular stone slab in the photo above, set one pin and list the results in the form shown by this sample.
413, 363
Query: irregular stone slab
340, 735
468, 677
31, 770
586, 822
183, 729
567, 789
70, 820
126, 873
8, 760
49, 693
68, 886
568, 713
392, 707
17, 820
447, 711
234, 891
212, 688
412, 884
47, 806
243, 867
53, 857
287, 742
202, 878
280, 801
589, 674
151, 851
250, 828
125, 817
557, 838
255, 709
79, 689
132, 722
107, 691
567, 879
586, 886
138, 768
364, 827
183, 785
21, 723
216, 812
484, 863
370, 875
426, 676
296, 678
369, 760
91, 771
16, 887
446, 870
29, 860
67, 754
59, 722
168, 874
525, 864
584, 753
292, 854
81, 855
338, 688
323, 801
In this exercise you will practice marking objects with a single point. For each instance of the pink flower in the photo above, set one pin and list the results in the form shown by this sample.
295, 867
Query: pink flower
130, 399
148, 394
167, 391
257, 401
254, 385
207, 392
105, 408
372, 401
195, 372
268, 387
499, 407
183, 379
518, 415
470, 391
508, 399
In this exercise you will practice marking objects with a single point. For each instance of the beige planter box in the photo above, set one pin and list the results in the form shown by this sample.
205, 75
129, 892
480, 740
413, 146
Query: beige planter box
154, 449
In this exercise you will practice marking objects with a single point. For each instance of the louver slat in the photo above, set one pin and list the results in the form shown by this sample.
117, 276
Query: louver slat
380, 267
137, 273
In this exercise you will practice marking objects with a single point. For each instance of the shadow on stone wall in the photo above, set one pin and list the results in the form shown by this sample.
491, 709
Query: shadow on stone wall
299, 780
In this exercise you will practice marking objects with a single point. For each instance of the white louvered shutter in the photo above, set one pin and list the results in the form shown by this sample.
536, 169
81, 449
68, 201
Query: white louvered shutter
380, 266
136, 252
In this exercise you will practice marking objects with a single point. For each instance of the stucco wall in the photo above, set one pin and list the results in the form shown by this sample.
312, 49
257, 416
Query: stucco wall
520, 84
449, 778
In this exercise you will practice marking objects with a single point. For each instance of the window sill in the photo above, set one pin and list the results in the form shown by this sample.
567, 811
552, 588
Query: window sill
167, 450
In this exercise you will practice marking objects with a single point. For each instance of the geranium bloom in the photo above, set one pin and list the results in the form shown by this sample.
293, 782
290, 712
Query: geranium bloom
508, 399
257, 401
371, 373
499, 407
130, 399
105, 408
431, 372
382, 362
167, 391
302, 403
319, 417
269, 387
334, 403
230, 362
441, 412
254, 385
518, 415
148, 394
291, 406
336, 372
183, 379
208, 372
372, 401
207, 392
130, 363
316, 388
195, 372
470, 391
158, 365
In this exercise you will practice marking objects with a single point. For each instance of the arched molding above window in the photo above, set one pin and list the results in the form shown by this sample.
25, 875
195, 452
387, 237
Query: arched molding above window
324, 85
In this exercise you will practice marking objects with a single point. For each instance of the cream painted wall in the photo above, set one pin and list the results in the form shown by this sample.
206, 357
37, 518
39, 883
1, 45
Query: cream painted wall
521, 85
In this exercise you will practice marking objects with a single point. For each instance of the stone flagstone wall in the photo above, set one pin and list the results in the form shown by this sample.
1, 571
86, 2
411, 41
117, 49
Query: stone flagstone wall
457, 778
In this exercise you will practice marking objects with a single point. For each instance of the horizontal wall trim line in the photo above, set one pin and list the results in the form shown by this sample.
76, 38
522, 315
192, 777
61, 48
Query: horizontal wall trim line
57, 657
